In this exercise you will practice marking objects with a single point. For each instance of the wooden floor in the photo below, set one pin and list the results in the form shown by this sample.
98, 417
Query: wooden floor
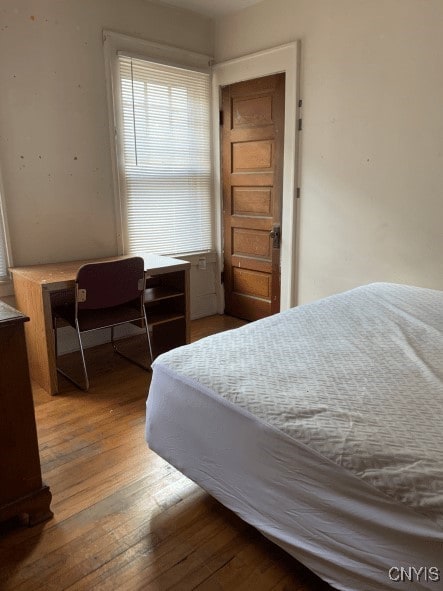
124, 519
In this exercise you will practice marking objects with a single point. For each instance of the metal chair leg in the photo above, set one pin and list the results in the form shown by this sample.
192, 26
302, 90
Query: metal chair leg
134, 361
85, 371
147, 335
84, 387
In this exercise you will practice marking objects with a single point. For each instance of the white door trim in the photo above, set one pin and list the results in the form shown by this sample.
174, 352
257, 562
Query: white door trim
284, 58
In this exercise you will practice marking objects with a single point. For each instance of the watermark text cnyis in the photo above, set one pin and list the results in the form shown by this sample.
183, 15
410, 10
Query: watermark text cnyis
414, 574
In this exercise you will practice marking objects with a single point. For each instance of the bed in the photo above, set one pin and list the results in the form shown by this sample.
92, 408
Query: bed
322, 427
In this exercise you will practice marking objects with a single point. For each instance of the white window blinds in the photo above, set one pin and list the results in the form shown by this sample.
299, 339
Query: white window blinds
166, 196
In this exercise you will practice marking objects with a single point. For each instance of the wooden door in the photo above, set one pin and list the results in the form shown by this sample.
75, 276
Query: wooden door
252, 168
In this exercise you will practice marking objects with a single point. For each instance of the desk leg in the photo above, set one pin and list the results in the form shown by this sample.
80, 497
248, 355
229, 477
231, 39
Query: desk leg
35, 302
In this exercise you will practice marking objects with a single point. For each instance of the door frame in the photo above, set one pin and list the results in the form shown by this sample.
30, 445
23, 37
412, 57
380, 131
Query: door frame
284, 58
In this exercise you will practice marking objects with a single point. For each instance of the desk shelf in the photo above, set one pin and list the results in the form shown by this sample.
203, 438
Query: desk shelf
163, 317
161, 292
166, 310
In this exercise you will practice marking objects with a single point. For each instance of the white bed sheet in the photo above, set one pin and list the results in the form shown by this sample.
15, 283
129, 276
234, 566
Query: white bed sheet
340, 525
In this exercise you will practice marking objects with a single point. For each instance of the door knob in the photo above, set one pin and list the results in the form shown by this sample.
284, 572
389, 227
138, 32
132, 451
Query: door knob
275, 234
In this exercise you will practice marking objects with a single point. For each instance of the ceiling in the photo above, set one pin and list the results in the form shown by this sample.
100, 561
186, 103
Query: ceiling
211, 8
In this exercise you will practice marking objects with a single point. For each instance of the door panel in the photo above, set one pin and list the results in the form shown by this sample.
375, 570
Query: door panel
251, 283
252, 201
252, 110
252, 155
254, 243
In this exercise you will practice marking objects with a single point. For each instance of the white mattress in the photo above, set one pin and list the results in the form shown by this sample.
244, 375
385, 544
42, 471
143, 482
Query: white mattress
320, 426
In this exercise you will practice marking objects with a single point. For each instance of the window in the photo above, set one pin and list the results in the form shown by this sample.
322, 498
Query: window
4, 259
165, 172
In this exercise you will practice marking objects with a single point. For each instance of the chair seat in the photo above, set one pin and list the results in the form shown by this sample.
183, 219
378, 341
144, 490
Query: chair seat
94, 319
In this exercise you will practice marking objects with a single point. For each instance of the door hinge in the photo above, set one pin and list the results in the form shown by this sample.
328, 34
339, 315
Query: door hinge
300, 103
298, 193
222, 277
221, 117
300, 124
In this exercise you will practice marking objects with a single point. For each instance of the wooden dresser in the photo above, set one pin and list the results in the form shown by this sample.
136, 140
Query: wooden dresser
22, 492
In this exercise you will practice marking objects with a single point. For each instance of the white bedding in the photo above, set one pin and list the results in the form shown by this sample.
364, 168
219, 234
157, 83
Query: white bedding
352, 384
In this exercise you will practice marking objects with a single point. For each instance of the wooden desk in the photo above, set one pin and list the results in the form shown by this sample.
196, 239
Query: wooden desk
167, 282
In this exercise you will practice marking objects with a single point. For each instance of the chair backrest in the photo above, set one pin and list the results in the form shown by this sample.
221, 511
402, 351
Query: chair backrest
108, 284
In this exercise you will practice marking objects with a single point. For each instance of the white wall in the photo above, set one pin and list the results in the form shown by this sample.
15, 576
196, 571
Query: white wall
54, 130
371, 165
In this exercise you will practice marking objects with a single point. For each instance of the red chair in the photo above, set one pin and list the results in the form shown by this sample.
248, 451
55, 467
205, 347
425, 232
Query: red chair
107, 294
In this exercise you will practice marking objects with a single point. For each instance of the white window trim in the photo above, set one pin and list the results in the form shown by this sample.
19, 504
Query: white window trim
5, 285
284, 58
115, 43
